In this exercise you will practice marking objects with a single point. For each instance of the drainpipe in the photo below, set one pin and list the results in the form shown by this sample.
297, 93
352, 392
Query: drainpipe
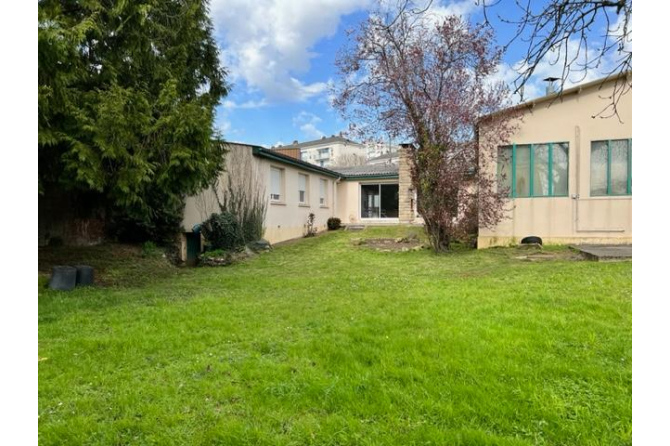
335, 183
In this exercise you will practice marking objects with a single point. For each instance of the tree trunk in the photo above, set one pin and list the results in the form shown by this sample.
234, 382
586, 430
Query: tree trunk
438, 236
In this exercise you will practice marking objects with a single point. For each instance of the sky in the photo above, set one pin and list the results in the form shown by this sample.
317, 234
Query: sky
280, 54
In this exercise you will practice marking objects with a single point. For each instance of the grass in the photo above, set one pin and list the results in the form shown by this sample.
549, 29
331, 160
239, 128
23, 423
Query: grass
321, 342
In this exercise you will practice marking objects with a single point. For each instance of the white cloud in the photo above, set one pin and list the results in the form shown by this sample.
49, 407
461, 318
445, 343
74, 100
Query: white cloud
552, 66
307, 123
224, 126
623, 29
231, 105
268, 43
463, 8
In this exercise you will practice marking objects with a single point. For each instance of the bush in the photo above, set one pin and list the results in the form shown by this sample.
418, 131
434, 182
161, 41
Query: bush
214, 254
334, 223
310, 230
160, 227
149, 249
223, 231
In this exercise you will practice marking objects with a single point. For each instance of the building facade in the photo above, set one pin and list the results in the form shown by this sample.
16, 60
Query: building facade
568, 174
292, 189
324, 152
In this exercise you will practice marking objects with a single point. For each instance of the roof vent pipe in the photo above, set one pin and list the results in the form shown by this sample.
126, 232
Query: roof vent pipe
551, 87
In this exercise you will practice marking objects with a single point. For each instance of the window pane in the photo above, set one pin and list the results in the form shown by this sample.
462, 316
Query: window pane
522, 171
540, 170
619, 167
275, 183
598, 168
389, 201
302, 188
370, 201
505, 169
323, 185
559, 168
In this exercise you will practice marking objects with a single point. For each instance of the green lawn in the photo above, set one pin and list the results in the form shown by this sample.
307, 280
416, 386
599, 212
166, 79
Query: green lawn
321, 342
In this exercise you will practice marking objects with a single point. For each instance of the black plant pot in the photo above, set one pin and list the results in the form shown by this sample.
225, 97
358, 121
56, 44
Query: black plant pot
63, 278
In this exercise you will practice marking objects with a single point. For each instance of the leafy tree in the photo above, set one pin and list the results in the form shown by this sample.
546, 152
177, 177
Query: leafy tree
126, 99
423, 78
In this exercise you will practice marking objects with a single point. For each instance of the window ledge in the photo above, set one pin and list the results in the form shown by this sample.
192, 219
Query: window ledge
324, 207
278, 203
304, 205
540, 196
607, 197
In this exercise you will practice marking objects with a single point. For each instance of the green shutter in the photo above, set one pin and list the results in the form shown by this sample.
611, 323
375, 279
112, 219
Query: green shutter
609, 168
550, 169
531, 161
630, 167
514, 170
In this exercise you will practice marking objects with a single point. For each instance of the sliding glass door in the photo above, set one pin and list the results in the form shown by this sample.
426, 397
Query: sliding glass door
379, 200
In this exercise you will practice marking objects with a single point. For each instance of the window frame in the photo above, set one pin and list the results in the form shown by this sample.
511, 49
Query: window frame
323, 199
379, 189
531, 173
306, 201
282, 189
629, 173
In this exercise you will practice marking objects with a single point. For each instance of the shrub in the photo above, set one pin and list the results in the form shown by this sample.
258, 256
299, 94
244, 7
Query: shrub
214, 254
310, 230
149, 249
223, 231
334, 223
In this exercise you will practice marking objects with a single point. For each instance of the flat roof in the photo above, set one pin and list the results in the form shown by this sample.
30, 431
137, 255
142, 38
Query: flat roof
316, 142
368, 171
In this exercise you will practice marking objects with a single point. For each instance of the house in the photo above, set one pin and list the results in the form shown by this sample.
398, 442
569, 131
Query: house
375, 149
323, 152
387, 158
292, 189
568, 174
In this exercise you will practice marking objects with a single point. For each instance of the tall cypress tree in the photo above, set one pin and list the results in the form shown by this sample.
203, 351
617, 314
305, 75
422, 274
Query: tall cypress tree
127, 91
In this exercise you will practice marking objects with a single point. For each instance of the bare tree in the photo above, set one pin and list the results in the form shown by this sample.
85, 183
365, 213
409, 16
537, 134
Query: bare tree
569, 34
349, 160
414, 76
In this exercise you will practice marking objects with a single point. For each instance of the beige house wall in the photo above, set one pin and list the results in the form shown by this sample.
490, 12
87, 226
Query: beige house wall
349, 202
285, 219
578, 218
349, 198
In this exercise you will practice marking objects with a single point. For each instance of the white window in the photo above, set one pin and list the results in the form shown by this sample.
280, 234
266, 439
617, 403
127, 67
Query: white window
276, 183
303, 181
323, 192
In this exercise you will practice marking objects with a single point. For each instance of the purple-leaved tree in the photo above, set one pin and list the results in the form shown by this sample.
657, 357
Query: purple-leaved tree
427, 79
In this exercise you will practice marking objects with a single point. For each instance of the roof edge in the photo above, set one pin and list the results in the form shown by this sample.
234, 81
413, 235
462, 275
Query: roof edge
276, 156
568, 91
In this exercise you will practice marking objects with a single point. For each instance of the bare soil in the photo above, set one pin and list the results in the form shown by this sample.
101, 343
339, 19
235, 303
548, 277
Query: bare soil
390, 244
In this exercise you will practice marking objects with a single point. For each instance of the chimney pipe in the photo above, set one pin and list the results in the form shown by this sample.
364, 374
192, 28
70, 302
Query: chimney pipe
551, 88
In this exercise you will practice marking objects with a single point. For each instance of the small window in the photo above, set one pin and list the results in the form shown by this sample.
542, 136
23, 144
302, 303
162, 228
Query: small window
276, 183
534, 170
323, 192
303, 182
611, 167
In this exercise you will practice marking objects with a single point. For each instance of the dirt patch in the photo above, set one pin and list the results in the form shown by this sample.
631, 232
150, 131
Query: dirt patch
390, 244
544, 256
